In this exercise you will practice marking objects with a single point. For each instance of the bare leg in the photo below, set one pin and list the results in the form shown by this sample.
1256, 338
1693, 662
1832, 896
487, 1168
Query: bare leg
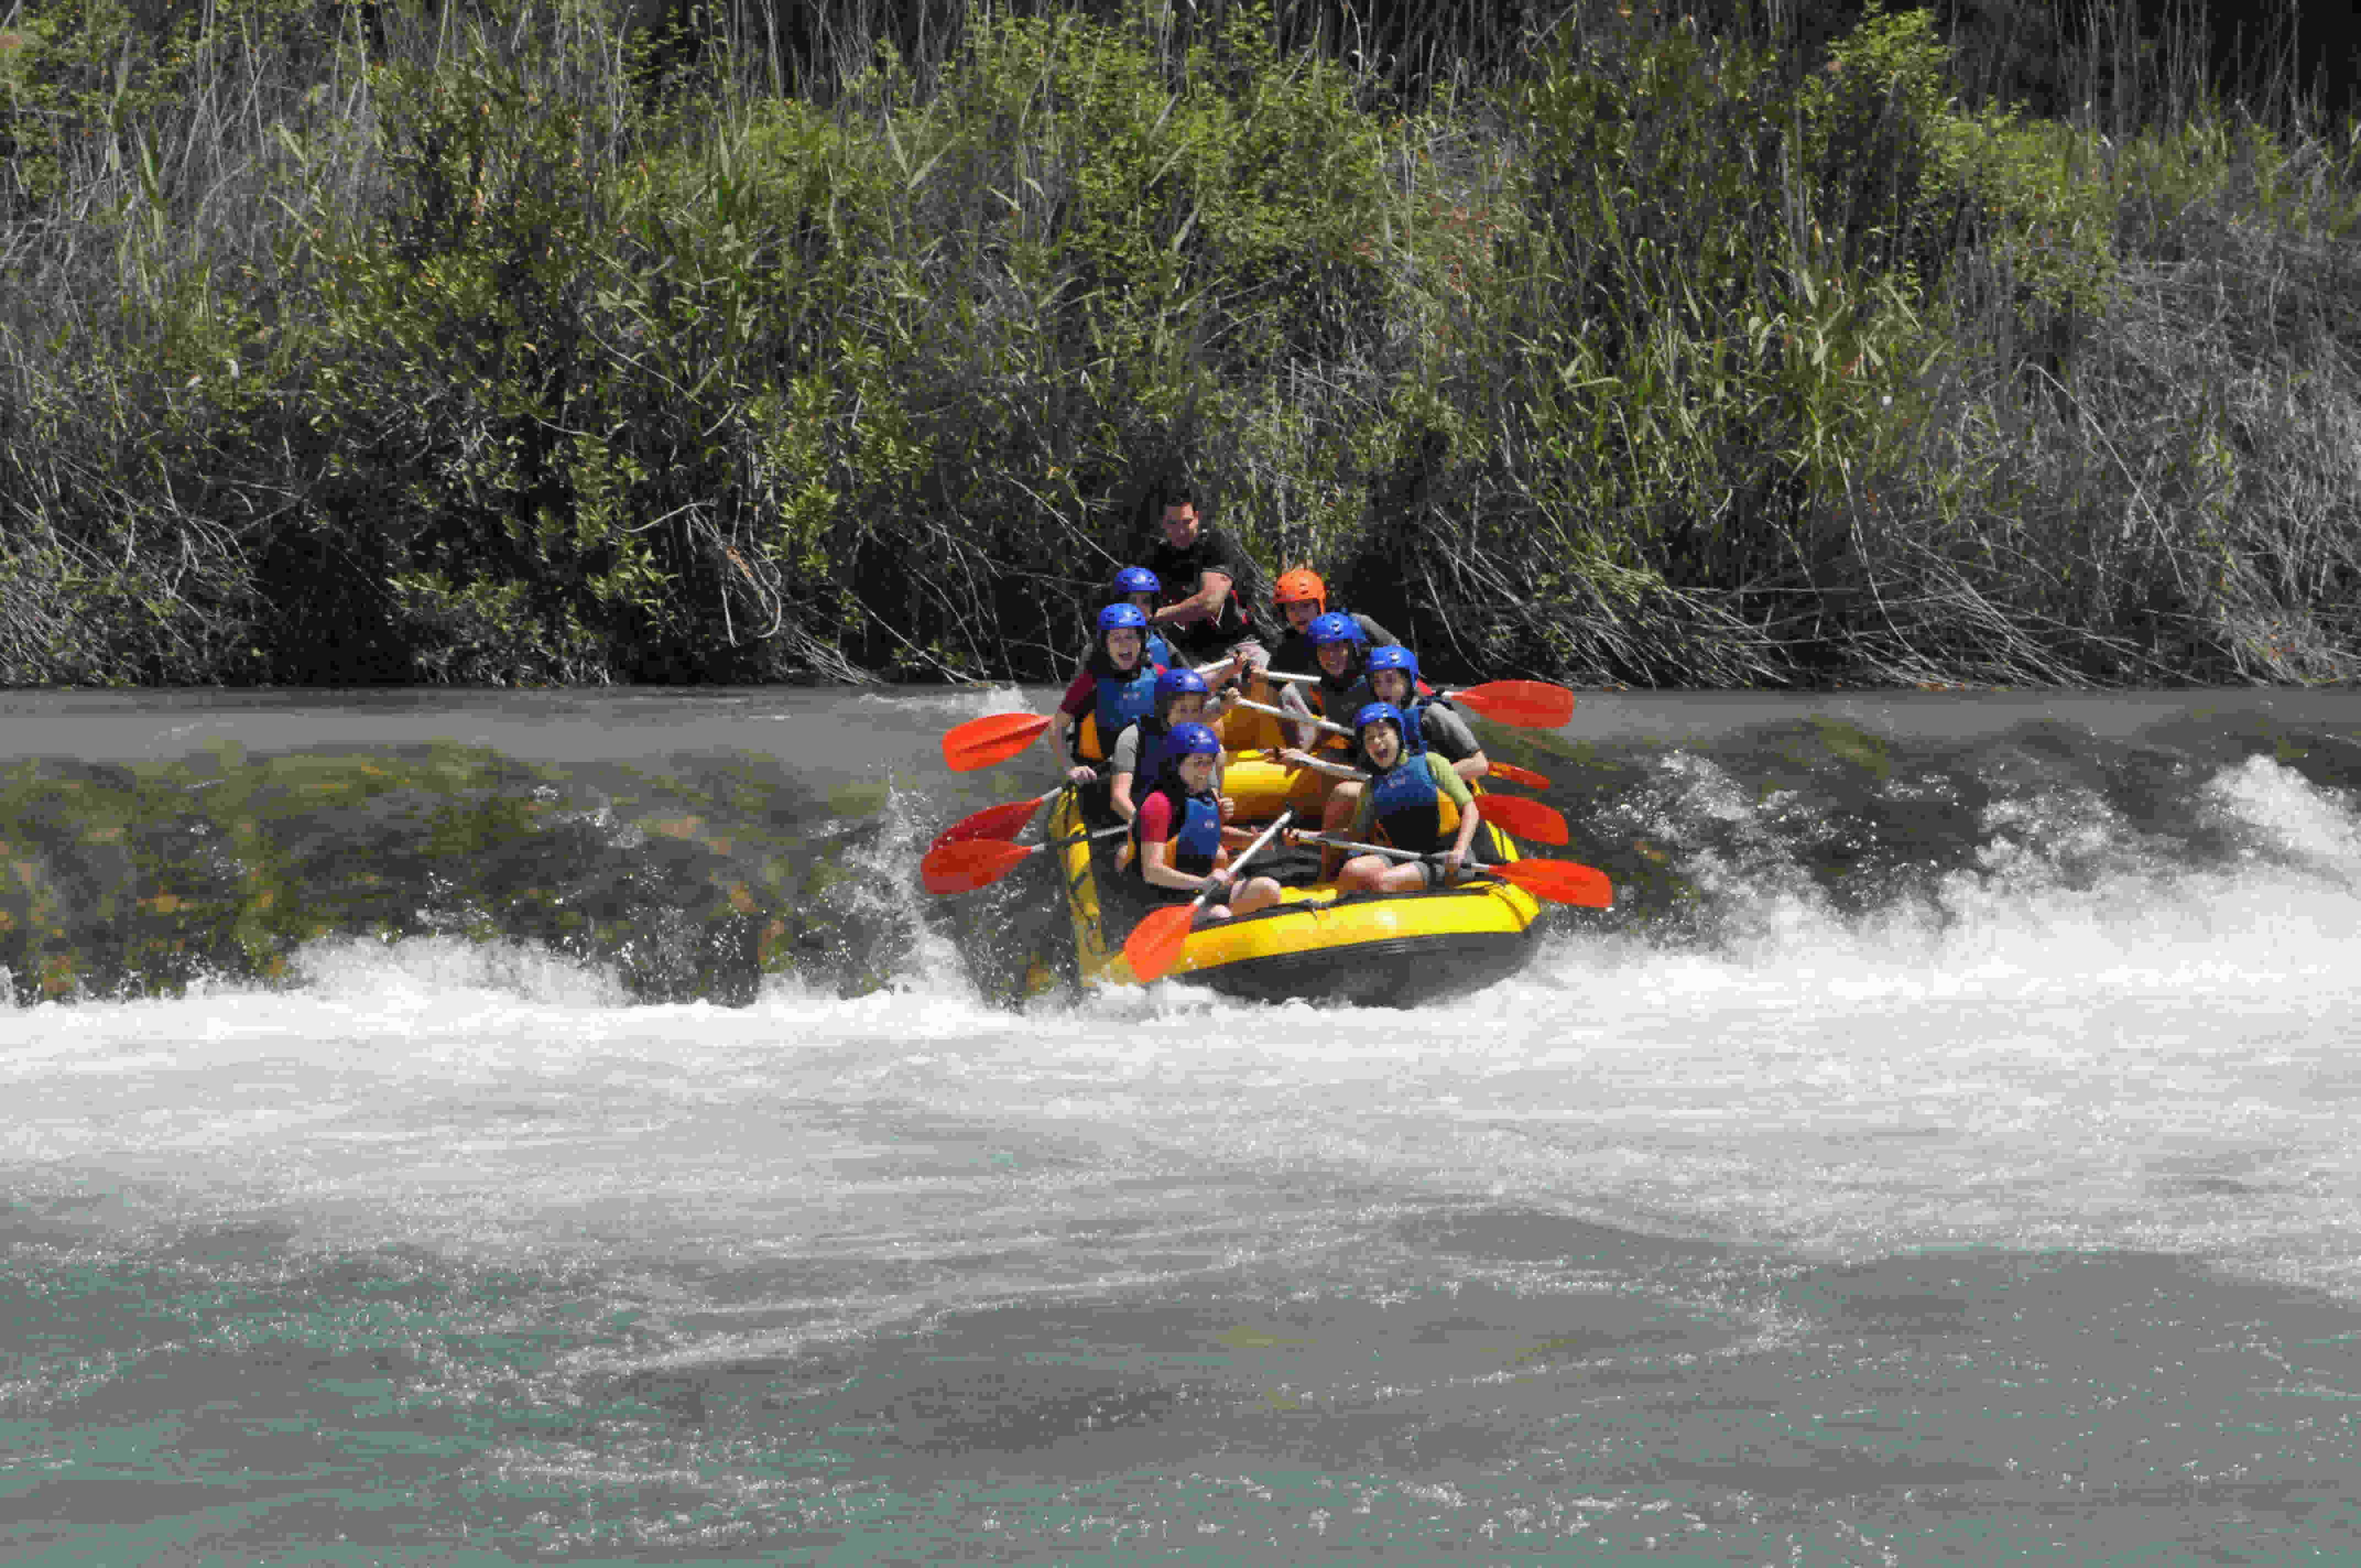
1375, 873
1259, 893
1334, 817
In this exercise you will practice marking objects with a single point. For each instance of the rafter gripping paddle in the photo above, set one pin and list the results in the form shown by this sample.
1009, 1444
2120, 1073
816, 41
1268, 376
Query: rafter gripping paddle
1155, 943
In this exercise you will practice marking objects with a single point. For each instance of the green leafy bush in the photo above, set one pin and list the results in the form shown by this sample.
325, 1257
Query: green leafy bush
500, 342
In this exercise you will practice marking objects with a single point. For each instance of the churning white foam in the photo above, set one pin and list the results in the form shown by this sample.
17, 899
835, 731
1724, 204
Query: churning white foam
2030, 1053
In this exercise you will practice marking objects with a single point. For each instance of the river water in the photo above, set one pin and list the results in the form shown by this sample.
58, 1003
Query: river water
1945, 1151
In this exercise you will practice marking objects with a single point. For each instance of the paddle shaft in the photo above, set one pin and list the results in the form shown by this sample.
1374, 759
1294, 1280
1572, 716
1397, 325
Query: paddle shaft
1395, 850
1310, 718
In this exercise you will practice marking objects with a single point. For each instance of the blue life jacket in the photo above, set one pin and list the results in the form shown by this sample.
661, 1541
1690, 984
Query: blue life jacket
1411, 809
1414, 727
1159, 651
1196, 834
1118, 702
1152, 738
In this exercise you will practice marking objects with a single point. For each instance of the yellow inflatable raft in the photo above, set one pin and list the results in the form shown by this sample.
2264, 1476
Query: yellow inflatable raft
1388, 949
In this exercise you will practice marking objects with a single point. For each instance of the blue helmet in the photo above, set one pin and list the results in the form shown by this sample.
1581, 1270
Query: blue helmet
1190, 741
1138, 580
1377, 713
1173, 682
1392, 657
1333, 626
1115, 617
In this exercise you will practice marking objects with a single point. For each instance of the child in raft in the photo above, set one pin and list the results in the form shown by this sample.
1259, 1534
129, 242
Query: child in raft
1176, 848
1182, 697
1114, 689
1418, 801
1138, 585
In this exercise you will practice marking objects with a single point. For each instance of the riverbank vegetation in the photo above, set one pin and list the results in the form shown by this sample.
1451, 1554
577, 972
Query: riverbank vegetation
506, 341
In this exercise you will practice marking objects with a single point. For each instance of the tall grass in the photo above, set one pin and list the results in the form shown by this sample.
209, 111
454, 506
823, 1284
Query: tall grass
503, 342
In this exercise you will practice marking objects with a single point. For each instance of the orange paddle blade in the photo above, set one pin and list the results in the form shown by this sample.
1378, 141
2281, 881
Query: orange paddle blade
1528, 705
1511, 773
994, 738
1560, 882
1528, 819
971, 863
1002, 821
1155, 942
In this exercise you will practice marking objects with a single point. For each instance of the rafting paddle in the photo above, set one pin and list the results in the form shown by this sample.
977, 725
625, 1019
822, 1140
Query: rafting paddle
1528, 705
994, 738
1559, 881
1002, 821
1525, 819
970, 863
1514, 775
1155, 942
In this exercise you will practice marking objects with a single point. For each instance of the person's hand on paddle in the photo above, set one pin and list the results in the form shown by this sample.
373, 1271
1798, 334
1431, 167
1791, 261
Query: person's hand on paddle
1082, 775
1295, 756
1450, 861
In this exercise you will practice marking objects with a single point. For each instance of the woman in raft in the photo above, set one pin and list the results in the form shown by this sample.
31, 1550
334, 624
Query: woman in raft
1176, 849
1114, 689
1418, 802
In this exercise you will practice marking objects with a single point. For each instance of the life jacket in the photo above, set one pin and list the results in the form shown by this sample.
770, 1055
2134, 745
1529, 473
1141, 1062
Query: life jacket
1414, 720
1196, 834
1150, 764
1410, 809
1337, 702
1117, 702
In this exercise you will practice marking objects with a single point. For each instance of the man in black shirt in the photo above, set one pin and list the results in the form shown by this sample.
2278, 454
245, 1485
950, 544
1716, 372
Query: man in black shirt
1206, 614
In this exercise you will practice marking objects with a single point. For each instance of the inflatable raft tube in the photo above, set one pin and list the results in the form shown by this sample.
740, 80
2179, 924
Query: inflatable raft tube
1379, 949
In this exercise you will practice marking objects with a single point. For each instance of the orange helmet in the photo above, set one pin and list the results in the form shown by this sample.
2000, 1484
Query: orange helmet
1298, 586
